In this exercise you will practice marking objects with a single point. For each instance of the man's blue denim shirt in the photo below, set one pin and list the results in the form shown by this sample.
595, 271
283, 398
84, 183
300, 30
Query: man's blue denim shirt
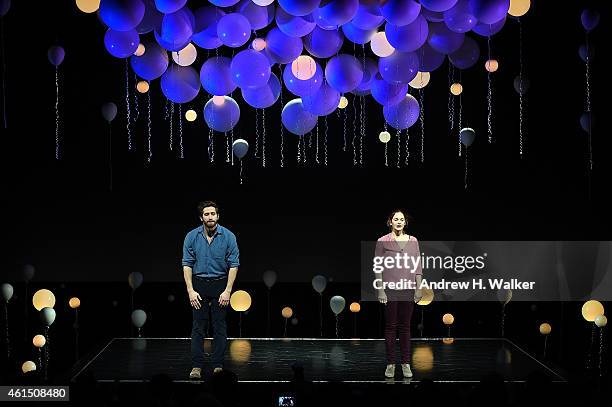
214, 259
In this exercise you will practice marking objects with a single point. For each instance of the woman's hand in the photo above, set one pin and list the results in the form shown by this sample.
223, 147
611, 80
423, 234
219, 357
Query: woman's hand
194, 299
418, 295
382, 297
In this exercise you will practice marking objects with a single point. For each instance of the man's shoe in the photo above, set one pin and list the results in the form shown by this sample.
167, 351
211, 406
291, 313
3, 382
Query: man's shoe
217, 369
196, 373
390, 371
406, 370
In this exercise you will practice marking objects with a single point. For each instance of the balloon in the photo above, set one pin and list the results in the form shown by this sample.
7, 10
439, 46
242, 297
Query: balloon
259, 17
56, 55
240, 147
152, 18
504, 296
591, 309
142, 86
322, 43
487, 30
586, 51
429, 58
5, 5
74, 303
296, 119
7, 292
287, 312
467, 135
466, 56
28, 366
263, 2
139, 317
601, 321
408, 37
47, 316
299, 7
319, 283
404, 114
491, 65
205, 32
387, 93
109, 111
443, 40
489, 11
222, 117
294, 26
589, 19
343, 102
368, 16
380, 45
343, 72
135, 279
585, 122
28, 272
338, 12
258, 44
122, 15
384, 137
43, 298
448, 319
121, 44
323, 102
399, 67
357, 35
169, 6
234, 30
459, 18
337, 303
400, 12
223, 3
180, 84
282, 48
186, 56
216, 76
420, 80
265, 96
303, 87
294, 321
519, 8
269, 278
432, 16
438, 5
369, 72
152, 64
250, 69
240, 300
303, 67
176, 30
521, 85
39, 341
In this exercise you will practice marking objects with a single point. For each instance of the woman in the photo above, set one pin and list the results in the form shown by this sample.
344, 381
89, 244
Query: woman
399, 302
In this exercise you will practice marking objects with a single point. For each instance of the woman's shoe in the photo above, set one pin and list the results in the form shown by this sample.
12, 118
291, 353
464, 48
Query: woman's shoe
196, 373
390, 371
406, 370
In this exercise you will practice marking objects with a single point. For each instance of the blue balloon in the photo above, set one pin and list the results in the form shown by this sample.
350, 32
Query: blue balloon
234, 30
322, 43
467, 136
224, 117
338, 12
589, 19
409, 37
438, 5
180, 84
240, 147
400, 12
5, 5
487, 30
294, 26
296, 119
429, 58
122, 15
343, 72
265, 96
432, 16
152, 18
357, 35
489, 11
585, 51
323, 102
250, 69
109, 111
466, 56
169, 6
282, 48
299, 7
224, 3
259, 16
404, 114
152, 64
205, 32
176, 30
399, 67
301, 87
459, 18
586, 121
369, 73
56, 55
368, 16
387, 93
121, 44
443, 40
322, 22
216, 76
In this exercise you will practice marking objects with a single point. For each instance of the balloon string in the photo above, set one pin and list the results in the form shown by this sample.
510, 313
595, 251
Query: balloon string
171, 117
240, 172
337, 327
520, 88
588, 100
256, 133
317, 143
325, 141
282, 138
465, 178
601, 350
460, 127
263, 139
343, 114
386, 162
149, 126
57, 117
7, 336
489, 95
127, 102
399, 151
354, 120
422, 115
3, 55
306, 142
136, 110
180, 115
232, 143
407, 147
451, 100
110, 154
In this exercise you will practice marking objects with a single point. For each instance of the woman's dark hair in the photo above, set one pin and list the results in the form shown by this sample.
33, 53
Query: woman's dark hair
206, 204
403, 212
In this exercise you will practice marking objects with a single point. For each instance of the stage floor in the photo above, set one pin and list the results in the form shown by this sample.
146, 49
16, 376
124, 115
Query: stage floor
464, 360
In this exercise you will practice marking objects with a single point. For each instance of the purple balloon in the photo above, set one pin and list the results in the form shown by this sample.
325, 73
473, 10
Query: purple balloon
224, 3
466, 56
489, 11
122, 15
368, 16
387, 93
180, 84
443, 40
459, 18
222, 118
109, 111
369, 73
357, 35
404, 114
586, 121
297, 119
432, 16
259, 16
282, 48
169, 6
176, 30
583, 51
152, 18
338, 12
5, 5
56, 55
152, 64
265, 96
400, 12
429, 58
487, 30
121, 44
234, 30
322, 43
216, 76
299, 7
250, 69
589, 19
408, 37
343, 72
205, 32
322, 21
438, 5
399, 67
303, 87
294, 26
323, 102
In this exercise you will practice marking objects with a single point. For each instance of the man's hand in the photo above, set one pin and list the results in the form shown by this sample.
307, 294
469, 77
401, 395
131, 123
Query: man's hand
418, 295
224, 298
382, 297
194, 299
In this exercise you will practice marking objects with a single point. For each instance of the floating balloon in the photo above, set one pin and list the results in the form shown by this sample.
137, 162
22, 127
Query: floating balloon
384, 137
489, 11
319, 283
294, 26
303, 87
139, 317
487, 30
28, 272
186, 56
180, 84
443, 40
303, 67
250, 69
121, 44
459, 18
142, 86
135, 279
122, 15
56, 55
240, 147
322, 43
400, 12
86, 6
169, 6
343, 72
240, 300
591, 309
140, 50
205, 32
357, 35
519, 8
222, 117
258, 44
152, 64
429, 58
438, 5
399, 67
369, 72
43, 298
387, 93
420, 80
234, 30
265, 96
408, 37
74, 303
368, 16
47, 316
589, 19
545, 328
601, 321
224, 3
28, 367
323, 102
269, 278
404, 114
216, 76
296, 119
504, 296
491, 65
466, 56
109, 111
343, 102
338, 12
521, 85
456, 89
586, 122
282, 48
337, 303
152, 18
299, 7
287, 312
39, 341
586, 52
259, 17
7, 292
191, 115
263, 2
176, 30
448, 319
380, 45
467, 136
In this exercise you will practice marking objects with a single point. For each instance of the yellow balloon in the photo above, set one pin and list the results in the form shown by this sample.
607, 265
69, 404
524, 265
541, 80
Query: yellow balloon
448, 319
28, 366
428, 296
142, 86
39, 341
191, 115
519, 8
492, 65
240, 300
420, 80
592, 309
43, 298
384, 137
74, 302
88, 6
240, 350
343, 102
287, 312
140, 50
186, 56
456, 89
355, 307
545, 328
259, 44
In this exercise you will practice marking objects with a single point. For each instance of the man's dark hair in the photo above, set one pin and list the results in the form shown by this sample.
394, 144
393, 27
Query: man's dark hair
206, 204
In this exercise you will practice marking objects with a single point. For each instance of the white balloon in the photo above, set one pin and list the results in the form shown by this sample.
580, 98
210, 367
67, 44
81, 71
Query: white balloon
28, 272
135, 279
601, 321
139, 317
263, 3
47, 315
7, 292
337, 304
319, 283
186, 56
269, 278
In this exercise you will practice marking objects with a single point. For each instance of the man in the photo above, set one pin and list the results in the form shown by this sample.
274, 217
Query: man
210, 264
